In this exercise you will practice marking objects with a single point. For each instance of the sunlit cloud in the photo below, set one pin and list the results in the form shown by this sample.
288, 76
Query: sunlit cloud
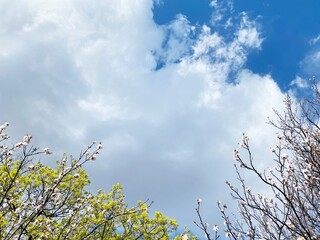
169, 102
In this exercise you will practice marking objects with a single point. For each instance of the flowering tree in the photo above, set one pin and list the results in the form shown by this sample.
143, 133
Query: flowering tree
40, 202
290, 207
205, 227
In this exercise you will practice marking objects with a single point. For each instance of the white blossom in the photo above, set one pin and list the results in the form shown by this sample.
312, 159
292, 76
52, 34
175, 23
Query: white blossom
46, 151
184, 237
99, 146
70, 212
284, 156
4, 126
19, 145
18, 211
27, 139
216, 227
4, 136
236, 155
31, 167
89, 196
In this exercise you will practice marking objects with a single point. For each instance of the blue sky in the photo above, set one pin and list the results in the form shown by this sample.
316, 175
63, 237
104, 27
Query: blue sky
287, 28
168, 88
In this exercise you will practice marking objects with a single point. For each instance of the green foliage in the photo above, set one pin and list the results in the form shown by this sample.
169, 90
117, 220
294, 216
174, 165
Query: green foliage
41, 202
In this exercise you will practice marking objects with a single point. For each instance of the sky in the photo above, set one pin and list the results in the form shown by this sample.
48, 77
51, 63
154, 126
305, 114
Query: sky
168, 87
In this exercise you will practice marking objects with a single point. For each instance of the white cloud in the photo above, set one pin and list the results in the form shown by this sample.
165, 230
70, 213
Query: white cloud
315, 40
177, 41
84, 71
222, 12
299, 82
214, 3
248, 34
310, 64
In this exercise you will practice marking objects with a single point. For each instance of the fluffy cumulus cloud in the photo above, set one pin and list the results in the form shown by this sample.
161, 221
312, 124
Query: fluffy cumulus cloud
169, 102
308, 69
299, 82
309, 66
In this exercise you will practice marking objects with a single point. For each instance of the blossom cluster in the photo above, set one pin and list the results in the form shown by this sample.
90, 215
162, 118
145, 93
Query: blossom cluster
34, 196
291, 206
41, 202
